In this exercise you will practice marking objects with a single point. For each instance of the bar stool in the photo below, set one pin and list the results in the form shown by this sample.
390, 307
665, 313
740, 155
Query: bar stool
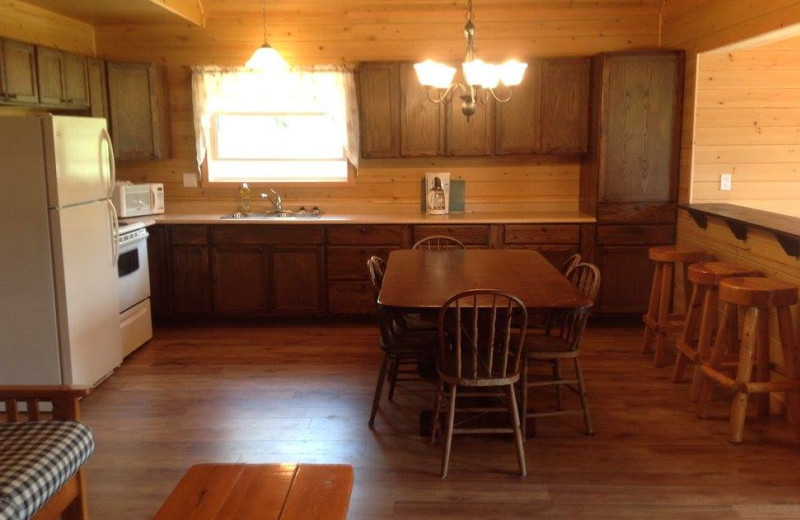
757, 296
694, 343
658, 321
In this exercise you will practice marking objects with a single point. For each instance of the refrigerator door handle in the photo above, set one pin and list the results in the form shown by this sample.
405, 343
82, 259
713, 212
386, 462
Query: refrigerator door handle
112, 215
112, 165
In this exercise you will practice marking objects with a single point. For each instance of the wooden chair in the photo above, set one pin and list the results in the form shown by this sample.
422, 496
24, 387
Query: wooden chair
480, 347
694, 343
757, 296
401, 344
659, 319
571, 262
439, 243
564, 344
69, 500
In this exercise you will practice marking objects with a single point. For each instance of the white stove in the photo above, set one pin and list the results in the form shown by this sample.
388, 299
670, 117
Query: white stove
134, 287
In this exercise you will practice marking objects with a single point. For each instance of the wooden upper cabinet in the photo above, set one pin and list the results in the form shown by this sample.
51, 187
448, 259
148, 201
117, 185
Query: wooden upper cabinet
379, 89
136, 111
98, 92
518, 128
565, 105
639, 142
18, 73
76, 80
473, 136
50, 71
420, 120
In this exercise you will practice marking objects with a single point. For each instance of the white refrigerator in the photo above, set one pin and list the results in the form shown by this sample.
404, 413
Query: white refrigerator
59, 313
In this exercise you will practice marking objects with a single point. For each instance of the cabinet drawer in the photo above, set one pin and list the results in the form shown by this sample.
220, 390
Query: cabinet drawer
643, 234
542, 234
267, 234
637, 213
350, 298
365, 235
470, 235
350, 263
189, 234
555, 254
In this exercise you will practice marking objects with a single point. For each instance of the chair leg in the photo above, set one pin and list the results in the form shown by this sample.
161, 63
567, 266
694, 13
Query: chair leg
524, 399
652, 310
451, 419
393, 370
379, 389
437, 408
557, 377
717, 353
77, 509
587, 418
512, 408
747, 352
663, 313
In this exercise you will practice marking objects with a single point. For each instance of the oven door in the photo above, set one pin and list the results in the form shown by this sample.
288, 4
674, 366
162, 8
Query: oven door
134, 273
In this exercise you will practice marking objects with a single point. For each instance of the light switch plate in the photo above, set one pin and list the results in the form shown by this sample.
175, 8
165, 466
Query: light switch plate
725, 181
189, 180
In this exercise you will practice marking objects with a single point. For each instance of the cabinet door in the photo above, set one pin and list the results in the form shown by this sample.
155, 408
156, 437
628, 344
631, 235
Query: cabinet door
191, 280
380, 109
76, 81
50, 70
518, 125
420, 119
565, 105
350, 298
158, 263
98, 95
639, 132
297, 280
473, 136
18, 73
133, 101
241, 280
627, 274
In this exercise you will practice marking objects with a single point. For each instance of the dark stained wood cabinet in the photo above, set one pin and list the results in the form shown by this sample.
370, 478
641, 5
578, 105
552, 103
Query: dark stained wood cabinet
241, 280
518, 128
379, 94
556, 242
297, 281
158, 256
473, 136
18, 83
136, 110
629, 176
471, 235
564, 105
190, 270
420, 120
63, 78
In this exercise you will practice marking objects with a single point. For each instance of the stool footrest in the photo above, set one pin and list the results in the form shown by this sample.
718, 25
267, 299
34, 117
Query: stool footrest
723, 380
687, 350
760, 387
674, 325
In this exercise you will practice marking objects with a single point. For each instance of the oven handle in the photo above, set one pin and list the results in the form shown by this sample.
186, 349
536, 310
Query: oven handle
112, 214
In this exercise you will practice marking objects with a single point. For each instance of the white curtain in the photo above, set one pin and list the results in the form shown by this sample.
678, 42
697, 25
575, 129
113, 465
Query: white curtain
327, 89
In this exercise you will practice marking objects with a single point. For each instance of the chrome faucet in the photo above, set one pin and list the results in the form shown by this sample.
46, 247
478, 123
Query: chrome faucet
277, 201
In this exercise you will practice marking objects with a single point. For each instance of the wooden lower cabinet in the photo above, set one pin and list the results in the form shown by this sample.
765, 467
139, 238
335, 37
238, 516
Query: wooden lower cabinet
241, 281
297, 281
158, 255
627, 274
191, 280
350, 297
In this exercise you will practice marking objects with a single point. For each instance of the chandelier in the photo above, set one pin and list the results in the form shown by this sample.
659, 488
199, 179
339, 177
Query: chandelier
481, 78
265, 58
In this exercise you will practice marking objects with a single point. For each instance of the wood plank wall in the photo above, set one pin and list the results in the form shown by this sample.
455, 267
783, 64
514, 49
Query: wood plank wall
748, 124
319, 31
699, 27
28, 23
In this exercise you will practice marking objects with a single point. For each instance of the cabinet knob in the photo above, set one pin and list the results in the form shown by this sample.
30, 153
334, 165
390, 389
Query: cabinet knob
363, 230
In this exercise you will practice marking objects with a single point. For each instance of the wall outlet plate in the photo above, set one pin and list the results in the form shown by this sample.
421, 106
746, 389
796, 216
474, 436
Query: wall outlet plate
189, 180
725, 181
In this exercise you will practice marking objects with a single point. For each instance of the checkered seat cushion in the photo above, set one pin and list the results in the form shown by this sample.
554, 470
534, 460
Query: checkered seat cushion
36, 459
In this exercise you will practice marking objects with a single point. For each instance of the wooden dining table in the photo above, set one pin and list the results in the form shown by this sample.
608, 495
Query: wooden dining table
420, 280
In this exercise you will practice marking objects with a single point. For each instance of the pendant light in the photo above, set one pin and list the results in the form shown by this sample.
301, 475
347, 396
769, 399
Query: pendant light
265, 57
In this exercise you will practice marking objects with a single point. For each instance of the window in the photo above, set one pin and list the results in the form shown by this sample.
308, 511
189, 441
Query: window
288, 128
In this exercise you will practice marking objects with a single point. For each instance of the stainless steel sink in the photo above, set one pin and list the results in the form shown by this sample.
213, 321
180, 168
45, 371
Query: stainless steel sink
272, 215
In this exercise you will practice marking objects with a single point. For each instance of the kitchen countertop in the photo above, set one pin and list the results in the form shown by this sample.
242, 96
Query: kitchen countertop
499, 217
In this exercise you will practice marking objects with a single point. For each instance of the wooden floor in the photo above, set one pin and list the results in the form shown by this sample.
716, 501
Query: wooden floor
302, 394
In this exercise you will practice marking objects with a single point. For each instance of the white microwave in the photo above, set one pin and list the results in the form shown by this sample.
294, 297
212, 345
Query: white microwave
135, 200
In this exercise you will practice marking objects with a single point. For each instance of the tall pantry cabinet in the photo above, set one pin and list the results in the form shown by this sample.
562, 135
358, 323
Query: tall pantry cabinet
629, 176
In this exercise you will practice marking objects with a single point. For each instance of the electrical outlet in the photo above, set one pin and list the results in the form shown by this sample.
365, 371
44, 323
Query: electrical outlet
189, 180
725, 181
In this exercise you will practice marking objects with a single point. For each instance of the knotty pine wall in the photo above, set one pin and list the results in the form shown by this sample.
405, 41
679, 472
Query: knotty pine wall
348, 31
700, 27
748, 124
28, 23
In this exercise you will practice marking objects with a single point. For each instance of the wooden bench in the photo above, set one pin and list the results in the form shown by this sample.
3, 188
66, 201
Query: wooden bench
260, 492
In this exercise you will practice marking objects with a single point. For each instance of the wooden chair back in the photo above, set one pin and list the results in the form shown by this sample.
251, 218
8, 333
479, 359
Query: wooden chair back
481, 334
389, 323
439, 243
376, 267
586, 277
570, 263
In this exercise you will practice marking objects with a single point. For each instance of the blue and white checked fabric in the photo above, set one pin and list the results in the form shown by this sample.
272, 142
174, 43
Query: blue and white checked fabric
36, 459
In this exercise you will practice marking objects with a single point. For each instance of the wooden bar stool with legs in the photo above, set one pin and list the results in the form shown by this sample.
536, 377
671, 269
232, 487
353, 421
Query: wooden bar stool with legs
694, 343
659, 321
757, 296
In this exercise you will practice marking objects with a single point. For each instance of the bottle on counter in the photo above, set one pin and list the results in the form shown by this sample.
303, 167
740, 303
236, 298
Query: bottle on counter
244, 204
